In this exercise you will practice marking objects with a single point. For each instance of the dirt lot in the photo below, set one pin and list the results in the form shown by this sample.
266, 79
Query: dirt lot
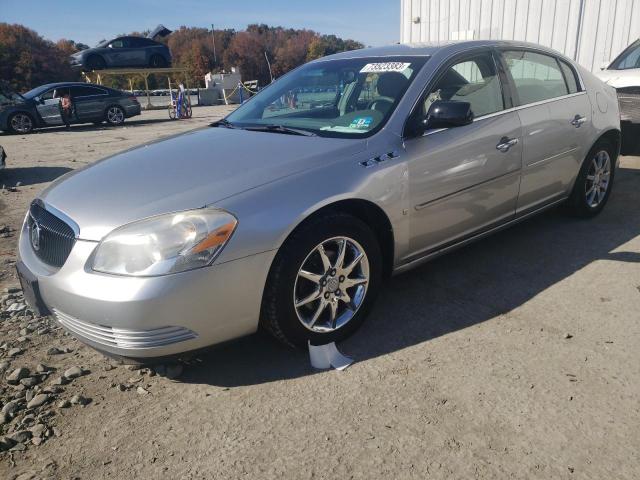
516, 357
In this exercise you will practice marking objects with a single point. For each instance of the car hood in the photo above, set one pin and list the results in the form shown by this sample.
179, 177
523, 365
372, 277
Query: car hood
620, 78
184, 172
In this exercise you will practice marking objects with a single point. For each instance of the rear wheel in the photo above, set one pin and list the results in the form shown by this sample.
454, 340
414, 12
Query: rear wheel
115, 115
323, 281
20, 123
594, 182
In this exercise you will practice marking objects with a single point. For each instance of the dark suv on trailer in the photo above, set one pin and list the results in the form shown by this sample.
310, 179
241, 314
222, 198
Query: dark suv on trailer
126, 52
40, 107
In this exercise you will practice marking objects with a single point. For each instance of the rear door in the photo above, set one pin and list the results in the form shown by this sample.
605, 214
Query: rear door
89, 102
139, 50
48, 107
464, 179
121, 53
555, 114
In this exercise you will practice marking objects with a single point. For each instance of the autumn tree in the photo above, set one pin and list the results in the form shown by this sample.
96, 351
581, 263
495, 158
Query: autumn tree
28, 60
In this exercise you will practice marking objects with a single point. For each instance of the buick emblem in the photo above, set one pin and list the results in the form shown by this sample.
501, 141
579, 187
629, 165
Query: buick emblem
35, 235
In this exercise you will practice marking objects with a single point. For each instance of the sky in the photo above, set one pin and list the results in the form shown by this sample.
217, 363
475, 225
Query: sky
372, 22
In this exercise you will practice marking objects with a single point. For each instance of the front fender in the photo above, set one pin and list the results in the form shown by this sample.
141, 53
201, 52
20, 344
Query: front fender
267, 215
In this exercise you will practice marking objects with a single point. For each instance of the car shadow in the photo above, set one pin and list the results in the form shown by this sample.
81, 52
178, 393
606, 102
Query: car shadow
472, 285
30, 176
630, 139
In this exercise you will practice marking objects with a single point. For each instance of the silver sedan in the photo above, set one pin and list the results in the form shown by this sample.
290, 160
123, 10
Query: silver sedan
291, 212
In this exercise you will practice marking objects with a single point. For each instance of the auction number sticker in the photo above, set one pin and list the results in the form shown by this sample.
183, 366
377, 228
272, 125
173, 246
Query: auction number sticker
385, 67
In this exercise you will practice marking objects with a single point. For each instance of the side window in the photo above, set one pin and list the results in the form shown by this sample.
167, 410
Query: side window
119, 43
82, 91
570, 77
138, 42
48, 95
537, 77
474, 80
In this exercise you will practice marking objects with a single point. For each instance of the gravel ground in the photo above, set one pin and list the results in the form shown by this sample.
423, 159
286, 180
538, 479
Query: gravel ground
516, 357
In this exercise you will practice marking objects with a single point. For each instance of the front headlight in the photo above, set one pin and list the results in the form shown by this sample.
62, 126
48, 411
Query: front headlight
165, 244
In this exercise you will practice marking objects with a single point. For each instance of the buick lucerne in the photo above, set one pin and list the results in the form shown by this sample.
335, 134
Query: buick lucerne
290, 212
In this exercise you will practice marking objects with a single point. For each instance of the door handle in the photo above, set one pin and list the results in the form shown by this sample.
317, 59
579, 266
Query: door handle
578, 121
506, 143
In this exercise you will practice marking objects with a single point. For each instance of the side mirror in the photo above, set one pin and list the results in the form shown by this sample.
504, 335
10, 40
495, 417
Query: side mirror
604, 66
445, 114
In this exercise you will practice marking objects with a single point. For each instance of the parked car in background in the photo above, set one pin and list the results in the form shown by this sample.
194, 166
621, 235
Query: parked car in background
623, 74
40, 107
289, 217
127, 51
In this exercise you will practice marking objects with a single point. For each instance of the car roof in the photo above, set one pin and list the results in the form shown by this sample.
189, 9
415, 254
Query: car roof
71, 84
431, 48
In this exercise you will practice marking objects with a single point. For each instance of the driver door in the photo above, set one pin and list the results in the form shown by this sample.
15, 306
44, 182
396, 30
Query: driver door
48, 107
464, 179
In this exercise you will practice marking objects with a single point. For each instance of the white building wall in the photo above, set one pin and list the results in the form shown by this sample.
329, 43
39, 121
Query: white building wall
592, 32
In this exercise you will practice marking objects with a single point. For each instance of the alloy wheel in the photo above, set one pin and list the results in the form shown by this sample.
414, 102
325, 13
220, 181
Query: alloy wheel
21, 123
331, 284
598, 178
115, 115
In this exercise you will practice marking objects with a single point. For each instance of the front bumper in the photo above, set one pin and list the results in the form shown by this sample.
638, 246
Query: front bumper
76, 62
145, 318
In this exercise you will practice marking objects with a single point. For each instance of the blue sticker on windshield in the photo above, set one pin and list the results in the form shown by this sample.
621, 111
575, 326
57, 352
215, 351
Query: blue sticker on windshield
361, 122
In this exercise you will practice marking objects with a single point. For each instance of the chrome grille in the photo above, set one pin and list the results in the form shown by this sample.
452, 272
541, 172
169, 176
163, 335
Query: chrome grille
123, 337
55, 237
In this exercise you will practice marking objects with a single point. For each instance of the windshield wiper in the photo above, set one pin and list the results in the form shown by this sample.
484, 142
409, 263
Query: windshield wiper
281, 129
223, 122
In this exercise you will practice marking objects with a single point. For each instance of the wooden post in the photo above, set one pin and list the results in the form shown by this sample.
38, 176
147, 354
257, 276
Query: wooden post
130, 85
146, 86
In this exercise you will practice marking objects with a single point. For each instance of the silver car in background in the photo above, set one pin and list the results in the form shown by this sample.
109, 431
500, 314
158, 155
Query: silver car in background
290, 213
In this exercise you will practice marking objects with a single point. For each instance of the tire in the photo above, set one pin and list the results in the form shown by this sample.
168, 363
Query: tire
284, 320
20, 123
172, 111
590, 194
115, 115
157, 61
96, 62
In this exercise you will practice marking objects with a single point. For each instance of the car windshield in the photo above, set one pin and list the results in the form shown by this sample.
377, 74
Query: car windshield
630, 58
103, 43
347, 98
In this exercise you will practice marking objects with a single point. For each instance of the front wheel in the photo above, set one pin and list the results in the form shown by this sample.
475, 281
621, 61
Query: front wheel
323, 281
20, 123
594, 182
115, 115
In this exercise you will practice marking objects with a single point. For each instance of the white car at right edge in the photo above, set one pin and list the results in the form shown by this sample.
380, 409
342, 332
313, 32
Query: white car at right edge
623, 74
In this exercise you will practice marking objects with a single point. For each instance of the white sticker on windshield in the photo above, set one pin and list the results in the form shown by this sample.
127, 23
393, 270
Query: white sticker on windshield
385, 67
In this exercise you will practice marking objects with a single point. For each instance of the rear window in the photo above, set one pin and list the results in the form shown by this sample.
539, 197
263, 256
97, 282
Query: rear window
537, 77
570, 77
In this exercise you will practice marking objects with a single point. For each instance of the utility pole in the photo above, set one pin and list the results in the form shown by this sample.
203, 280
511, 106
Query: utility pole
213, 41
